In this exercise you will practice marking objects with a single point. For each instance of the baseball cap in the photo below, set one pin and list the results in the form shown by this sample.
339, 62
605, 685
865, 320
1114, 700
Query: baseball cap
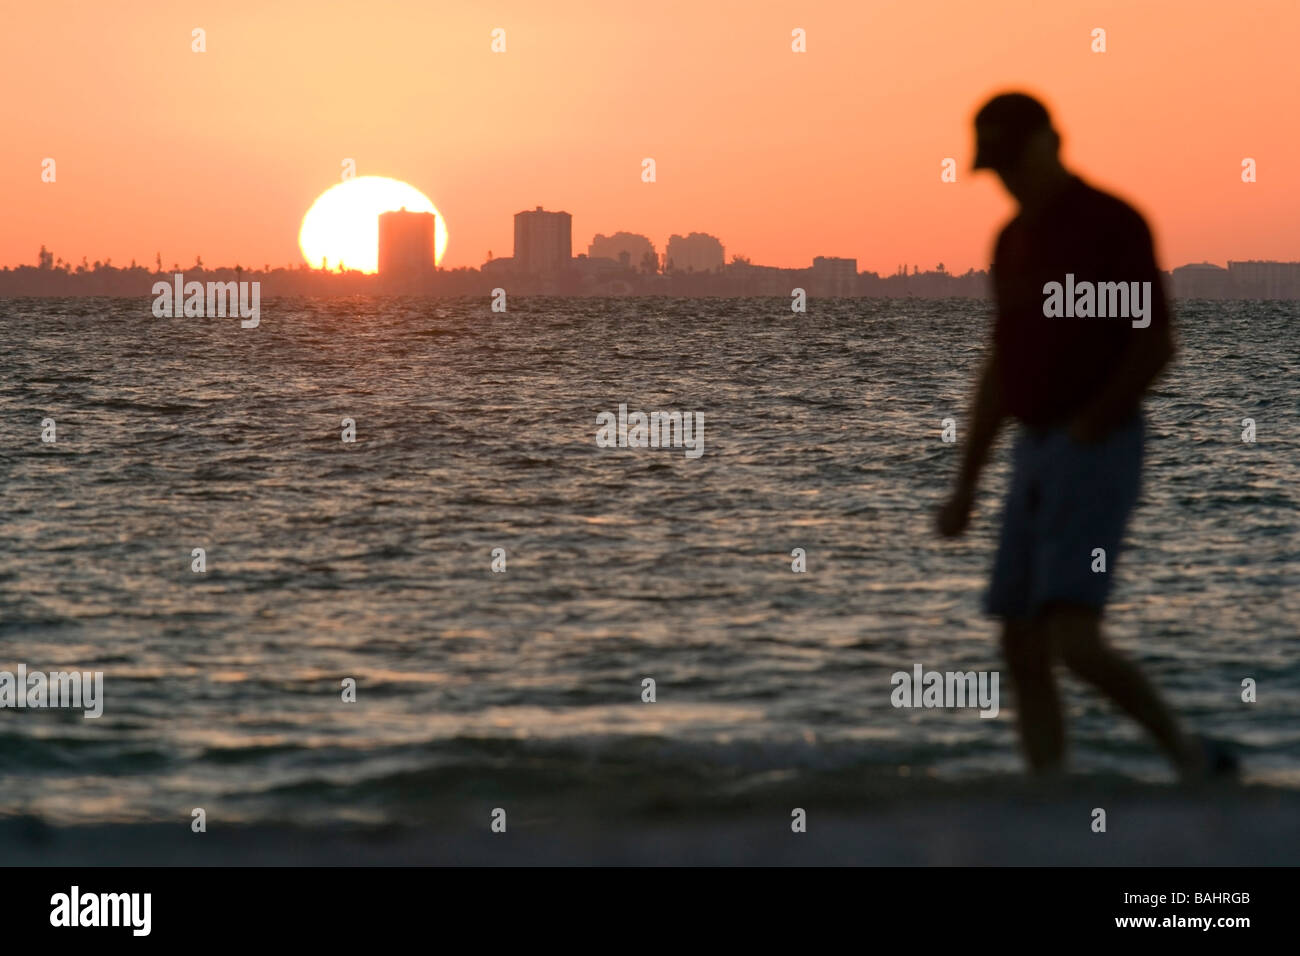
1002, 127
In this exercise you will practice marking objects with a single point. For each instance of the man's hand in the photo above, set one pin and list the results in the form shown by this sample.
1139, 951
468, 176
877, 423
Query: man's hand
954, 515
988, 412
1144, 358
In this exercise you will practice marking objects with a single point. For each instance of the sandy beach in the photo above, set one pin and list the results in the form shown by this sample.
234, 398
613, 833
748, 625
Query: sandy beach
998, 823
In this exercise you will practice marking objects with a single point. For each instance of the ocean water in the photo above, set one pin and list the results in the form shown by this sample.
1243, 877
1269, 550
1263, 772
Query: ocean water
476, 431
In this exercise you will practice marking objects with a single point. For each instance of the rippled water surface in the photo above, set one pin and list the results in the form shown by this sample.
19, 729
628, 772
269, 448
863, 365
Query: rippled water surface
476, 431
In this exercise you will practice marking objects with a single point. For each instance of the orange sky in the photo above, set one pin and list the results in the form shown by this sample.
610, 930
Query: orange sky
783, 156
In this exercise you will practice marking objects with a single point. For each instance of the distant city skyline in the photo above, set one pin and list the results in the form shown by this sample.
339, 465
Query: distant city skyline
547, 234
696, 251
406, 244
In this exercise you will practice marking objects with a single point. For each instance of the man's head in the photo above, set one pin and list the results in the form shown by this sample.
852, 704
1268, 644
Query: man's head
1014, 138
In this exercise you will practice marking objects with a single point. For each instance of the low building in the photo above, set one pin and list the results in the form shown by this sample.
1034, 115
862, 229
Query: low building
1201, 280
833, 276
697, 252
628, 249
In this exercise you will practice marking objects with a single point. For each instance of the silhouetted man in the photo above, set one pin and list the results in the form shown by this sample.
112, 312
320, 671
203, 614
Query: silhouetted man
1082, 330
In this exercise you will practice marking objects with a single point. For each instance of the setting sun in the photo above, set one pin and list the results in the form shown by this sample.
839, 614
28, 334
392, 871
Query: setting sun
341, 229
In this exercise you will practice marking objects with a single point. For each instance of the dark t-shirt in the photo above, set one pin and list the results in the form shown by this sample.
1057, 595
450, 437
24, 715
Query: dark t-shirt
1051, 367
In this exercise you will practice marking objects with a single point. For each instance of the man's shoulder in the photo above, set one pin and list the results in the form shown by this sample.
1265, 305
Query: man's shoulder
1084, 212
1103, 208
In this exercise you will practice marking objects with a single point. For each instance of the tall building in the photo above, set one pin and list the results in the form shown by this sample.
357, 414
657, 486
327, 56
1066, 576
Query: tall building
543, 242
627, 248
697, 252
833, 276
406, 243
1255, 279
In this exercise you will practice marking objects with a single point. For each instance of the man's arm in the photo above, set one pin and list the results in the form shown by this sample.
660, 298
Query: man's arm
1149, 349
987, 414
1142, 362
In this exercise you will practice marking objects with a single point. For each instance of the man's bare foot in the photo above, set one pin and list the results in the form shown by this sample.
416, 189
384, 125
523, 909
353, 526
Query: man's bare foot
1209, 760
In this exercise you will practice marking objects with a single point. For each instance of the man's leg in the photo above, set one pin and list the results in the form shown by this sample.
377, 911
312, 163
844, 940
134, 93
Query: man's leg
1074, 633
1038, 706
